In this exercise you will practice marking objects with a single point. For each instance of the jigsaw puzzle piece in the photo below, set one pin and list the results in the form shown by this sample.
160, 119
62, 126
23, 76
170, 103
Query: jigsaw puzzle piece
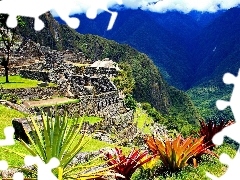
233, 167
221, 105
231, 131
9, 137
92, 12
38, 24
44, 170
64, 10
3, 165
18, 176
12, 21
229, 78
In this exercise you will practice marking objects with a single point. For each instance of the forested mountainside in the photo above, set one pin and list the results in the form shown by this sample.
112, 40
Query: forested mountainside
217, 47
149, 83
192, 51
217, 52
141, 31
165, 37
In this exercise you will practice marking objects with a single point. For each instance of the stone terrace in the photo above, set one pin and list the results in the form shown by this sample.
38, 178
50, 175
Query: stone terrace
90, 84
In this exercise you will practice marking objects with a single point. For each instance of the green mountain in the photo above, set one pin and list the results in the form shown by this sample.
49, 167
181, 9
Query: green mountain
145, 32
216, 52
149, 83
167, 38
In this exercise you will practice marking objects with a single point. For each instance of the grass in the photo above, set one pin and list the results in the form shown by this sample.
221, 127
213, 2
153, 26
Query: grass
6, 116
92, 119
142, 118
19, 82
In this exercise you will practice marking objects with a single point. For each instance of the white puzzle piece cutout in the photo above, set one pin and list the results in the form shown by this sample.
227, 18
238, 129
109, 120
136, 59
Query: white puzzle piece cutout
231, 131
102, 5
8, 141
35, 8
44, 170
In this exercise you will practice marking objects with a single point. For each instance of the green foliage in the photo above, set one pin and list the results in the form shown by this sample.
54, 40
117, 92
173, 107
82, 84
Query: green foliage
153, 112
180, 125
124, 80
130, 102
205, 96
188, 111
173, 122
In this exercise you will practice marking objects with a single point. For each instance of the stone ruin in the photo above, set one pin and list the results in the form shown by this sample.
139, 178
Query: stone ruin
90, 84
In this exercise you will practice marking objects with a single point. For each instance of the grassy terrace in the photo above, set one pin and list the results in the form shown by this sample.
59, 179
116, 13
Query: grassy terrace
142, 119
19, 82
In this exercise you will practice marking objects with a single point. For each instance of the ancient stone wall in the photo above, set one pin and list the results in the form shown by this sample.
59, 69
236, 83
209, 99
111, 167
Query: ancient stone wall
13, 70
84, 85
33, 93
35, 75
113, 124
79, 85
90, 105
75, 57
101, 71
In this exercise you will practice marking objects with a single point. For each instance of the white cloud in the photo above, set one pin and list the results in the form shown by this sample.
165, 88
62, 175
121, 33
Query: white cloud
81, 6
181, 5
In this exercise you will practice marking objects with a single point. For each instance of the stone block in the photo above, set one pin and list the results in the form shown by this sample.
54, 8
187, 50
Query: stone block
42, 84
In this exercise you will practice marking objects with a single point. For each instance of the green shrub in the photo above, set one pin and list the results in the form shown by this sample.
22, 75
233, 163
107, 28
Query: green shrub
130, 102
154, 113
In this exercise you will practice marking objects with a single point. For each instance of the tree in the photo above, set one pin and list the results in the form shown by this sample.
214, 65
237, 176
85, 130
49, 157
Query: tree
125, 81
130, 102
8, 37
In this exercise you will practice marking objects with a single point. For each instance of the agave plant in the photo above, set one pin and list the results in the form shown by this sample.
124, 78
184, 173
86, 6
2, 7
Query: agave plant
61, 137
126, 166
209, 129
175, 154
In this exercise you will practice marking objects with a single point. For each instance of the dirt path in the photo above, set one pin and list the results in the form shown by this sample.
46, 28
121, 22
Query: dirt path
52, 101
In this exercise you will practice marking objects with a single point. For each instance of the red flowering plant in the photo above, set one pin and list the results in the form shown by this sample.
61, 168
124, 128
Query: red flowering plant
210, 128
126, 165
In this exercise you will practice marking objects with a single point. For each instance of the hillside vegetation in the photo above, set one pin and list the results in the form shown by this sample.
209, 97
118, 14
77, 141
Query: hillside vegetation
149, 83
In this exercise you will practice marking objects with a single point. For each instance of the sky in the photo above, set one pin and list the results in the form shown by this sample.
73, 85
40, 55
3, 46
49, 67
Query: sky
81, 6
